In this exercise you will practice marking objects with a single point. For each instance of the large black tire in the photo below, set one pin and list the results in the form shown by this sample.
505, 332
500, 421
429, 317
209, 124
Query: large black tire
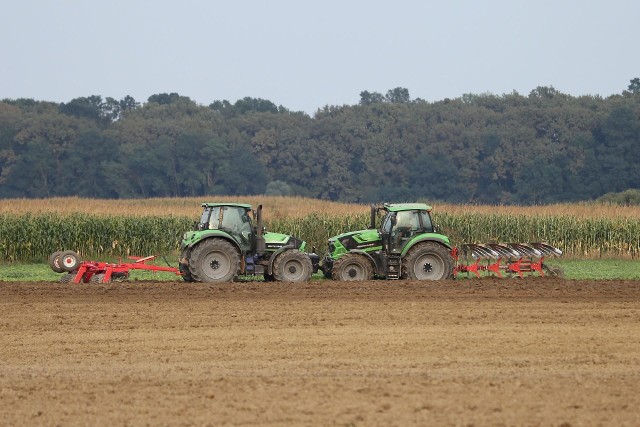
54, 262
428, 261
352, 267
69, 261
214, 261
292, 266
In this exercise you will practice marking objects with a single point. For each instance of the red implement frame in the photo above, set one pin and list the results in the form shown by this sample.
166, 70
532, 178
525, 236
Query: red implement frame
510, 258
89, 269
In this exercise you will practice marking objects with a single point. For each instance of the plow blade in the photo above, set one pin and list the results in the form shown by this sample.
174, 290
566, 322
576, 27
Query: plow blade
501, 259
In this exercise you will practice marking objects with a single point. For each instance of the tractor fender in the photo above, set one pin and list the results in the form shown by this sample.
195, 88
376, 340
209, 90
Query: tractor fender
425, 238
361, 252
377, 267
274, 255
212, 233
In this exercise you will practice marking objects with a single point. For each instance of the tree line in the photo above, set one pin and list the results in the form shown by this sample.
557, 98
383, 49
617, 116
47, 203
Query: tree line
543, 147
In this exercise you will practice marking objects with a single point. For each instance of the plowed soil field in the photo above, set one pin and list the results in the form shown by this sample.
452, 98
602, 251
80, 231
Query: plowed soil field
536, 351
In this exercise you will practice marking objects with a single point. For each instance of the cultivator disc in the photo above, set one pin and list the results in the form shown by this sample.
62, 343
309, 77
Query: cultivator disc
503, 258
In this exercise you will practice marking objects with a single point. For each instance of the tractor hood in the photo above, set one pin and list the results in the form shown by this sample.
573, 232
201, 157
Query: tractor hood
366, 240
275, 241
359, 235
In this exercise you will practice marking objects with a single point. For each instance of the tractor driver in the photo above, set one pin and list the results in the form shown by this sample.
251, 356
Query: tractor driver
406, 223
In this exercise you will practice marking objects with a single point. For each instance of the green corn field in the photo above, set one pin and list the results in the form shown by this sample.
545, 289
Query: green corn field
32, 237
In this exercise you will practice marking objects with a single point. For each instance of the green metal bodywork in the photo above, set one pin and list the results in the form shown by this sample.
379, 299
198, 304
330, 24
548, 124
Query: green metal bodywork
271, 239
432, 237
370, 238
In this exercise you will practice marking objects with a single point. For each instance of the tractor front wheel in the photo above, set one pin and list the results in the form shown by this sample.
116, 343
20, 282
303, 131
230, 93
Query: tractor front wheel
292, 266
428, 261
214, 261
352, 267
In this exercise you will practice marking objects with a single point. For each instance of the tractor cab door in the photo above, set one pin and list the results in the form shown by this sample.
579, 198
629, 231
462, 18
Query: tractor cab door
404, 225
235, 220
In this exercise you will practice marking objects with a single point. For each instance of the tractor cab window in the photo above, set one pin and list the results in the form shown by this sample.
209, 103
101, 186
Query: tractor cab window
427, 225
234, 219
210, 219
405, 226
387, 223
407, 220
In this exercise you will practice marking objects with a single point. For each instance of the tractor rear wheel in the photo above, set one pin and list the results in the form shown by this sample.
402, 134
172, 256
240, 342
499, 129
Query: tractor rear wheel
214, 261
428, 261
292, 266
352, 267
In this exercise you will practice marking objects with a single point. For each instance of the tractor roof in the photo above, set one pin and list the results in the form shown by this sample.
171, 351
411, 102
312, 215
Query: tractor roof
397, 207
236, 205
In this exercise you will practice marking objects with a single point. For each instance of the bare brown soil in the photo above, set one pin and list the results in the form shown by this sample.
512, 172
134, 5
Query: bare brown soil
540, 351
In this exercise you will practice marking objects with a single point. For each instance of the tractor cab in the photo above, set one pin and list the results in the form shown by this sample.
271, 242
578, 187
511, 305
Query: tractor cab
403, 222
233, 219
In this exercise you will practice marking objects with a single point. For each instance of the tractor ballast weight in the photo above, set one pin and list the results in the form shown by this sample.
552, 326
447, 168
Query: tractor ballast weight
225, 245
407, 245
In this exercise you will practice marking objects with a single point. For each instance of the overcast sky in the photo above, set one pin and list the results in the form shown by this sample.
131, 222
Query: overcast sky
305, 55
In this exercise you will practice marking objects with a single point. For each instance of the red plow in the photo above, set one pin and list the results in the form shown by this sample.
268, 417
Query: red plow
79, 271
500, 259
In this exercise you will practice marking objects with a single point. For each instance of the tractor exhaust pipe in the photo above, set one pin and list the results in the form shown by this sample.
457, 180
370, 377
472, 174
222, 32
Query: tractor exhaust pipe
261, 246
372, 224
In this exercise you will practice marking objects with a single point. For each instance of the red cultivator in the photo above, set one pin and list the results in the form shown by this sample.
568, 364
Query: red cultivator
504, 259
99, 272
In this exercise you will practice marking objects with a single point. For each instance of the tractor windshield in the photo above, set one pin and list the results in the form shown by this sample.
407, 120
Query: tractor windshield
387, 222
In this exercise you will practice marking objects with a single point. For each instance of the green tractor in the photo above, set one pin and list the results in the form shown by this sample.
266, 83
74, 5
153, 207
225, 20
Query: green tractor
226, 244
406, 246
